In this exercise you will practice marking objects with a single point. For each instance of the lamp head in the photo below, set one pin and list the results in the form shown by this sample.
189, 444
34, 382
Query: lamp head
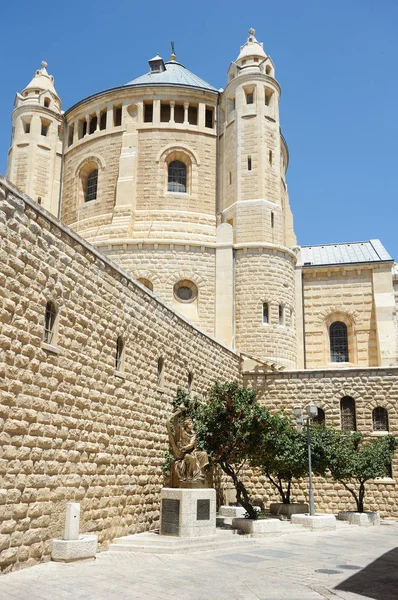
297, 411
311, 410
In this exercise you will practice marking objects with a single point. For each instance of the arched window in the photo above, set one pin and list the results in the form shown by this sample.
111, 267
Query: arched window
119, 353
190, 382
265, 312
380, 419
348, 416
160, 371
148, 284
177, 176
49, 322
320, 418
338, 342
91, 186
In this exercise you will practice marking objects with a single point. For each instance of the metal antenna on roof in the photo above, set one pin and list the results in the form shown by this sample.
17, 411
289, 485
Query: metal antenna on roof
173, 53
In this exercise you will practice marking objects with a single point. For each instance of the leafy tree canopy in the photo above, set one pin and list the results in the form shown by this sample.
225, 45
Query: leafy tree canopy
353, 461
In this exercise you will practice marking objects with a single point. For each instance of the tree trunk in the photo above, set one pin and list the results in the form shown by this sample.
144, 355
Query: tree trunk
242, 495
356, 498
285, 496
361, 497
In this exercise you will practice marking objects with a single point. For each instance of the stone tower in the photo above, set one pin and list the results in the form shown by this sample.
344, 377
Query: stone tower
254, 202
35, 155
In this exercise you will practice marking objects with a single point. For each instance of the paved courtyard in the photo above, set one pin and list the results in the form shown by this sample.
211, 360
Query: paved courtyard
349, 563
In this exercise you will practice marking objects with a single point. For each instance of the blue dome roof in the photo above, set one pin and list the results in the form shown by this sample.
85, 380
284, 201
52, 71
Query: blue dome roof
174, 74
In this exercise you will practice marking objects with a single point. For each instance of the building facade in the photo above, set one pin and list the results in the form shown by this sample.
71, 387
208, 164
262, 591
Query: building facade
184, 186
175, 241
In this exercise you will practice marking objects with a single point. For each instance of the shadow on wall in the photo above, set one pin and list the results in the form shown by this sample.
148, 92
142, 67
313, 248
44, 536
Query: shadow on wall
379, 580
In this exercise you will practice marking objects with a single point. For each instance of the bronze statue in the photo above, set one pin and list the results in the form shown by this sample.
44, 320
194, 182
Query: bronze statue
189, 462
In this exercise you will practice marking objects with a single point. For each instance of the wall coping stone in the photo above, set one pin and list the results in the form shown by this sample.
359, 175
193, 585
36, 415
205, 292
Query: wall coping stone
9, 188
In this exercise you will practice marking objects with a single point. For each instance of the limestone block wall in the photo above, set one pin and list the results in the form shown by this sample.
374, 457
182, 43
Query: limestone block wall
72, 428
369, 388
266, 275
105, 148
196, 148
339, 294
164, 266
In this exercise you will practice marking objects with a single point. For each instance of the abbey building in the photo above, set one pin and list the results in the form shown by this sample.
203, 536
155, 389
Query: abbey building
180, 186
185, 187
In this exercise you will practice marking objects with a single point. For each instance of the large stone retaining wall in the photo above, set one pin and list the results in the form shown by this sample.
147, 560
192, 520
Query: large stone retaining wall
369, 388
72, 428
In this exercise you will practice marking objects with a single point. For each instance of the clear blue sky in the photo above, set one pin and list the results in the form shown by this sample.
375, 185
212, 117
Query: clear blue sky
336, 62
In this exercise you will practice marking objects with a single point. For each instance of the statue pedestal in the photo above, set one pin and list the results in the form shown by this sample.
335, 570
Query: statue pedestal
188, 513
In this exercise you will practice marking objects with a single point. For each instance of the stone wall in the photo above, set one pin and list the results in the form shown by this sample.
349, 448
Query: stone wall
165, 265
339, 294
266, 275
72, 428
325, 388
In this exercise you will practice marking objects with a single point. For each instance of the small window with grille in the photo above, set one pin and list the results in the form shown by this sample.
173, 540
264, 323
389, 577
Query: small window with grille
265, 312
91, 186
190, 382
338, 342
160, 378
177, 177
380, 419
348, 414
119, 354
49, 323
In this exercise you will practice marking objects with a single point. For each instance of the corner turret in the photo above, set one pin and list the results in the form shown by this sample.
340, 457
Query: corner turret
34, 158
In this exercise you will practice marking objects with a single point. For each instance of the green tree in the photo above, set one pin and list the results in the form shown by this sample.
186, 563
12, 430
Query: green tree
230, 426
283, 455
351, 460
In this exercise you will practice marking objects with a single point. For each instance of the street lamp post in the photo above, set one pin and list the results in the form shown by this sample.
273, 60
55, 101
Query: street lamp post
312, 412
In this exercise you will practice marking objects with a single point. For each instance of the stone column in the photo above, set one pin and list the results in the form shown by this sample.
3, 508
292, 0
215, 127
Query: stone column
224, 327
186, 106
384, 303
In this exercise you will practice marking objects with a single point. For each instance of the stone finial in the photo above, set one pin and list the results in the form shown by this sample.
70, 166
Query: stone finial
252, 31
44, 64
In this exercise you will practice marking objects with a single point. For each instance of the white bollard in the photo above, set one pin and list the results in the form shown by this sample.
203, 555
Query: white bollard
72, 521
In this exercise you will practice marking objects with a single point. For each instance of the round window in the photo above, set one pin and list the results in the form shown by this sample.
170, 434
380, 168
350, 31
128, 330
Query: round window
185, 291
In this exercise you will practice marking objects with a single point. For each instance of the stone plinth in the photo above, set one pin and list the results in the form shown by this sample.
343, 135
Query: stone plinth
258, 527
315, 522
70, 550
287, 510
188, 512
365, 519
231, 511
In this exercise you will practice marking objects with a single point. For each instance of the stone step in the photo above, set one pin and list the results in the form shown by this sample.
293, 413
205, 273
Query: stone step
158, 544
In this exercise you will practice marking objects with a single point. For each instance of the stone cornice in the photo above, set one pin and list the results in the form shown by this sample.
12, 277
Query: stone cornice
320, 373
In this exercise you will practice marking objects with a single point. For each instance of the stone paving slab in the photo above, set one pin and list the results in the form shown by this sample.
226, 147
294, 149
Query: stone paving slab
347, 564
